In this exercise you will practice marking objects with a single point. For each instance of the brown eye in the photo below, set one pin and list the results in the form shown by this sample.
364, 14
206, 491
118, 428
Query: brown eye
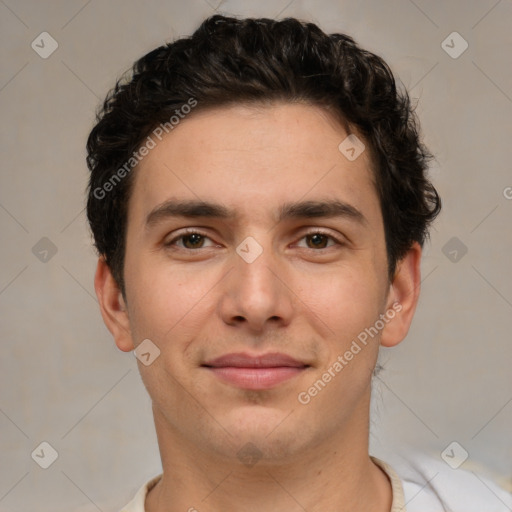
190, 240
317, 241
193, 241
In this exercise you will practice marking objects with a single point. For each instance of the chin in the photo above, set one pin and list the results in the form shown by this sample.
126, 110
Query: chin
274, 433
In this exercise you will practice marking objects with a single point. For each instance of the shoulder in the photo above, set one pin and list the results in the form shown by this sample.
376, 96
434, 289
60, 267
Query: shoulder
431, 484
137, 503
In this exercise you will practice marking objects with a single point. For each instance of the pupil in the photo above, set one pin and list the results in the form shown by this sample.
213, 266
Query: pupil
193, 239
317, 240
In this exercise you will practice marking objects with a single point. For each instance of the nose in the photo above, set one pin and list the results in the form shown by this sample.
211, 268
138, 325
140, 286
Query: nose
256, 294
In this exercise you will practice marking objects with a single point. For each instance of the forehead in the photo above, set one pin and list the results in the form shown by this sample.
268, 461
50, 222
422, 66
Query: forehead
254, 159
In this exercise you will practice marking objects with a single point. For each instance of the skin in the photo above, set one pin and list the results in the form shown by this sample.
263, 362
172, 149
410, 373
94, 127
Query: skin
305, 296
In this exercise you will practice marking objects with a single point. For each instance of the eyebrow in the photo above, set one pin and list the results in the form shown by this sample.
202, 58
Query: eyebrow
325, 209
295, 210
190, 208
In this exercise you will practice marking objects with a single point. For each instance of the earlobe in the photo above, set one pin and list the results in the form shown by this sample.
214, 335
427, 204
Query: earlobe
112, 306
403, 297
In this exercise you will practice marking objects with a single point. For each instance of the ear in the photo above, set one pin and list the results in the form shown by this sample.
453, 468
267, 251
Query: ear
112, 306
403, 297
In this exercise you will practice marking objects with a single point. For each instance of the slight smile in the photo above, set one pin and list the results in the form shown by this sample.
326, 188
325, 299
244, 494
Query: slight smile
255, 372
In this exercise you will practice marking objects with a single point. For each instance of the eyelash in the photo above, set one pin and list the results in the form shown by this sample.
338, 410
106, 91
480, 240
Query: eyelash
189, 232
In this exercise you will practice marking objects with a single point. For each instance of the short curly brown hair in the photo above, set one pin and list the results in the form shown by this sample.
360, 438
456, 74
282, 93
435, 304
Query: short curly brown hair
229, 60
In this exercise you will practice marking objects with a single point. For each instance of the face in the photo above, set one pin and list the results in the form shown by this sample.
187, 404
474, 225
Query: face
255, 257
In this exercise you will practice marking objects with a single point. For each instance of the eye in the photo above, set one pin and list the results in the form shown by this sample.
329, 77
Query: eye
319, 240
190, 240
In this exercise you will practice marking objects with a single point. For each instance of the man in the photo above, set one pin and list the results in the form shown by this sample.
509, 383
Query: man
259, 201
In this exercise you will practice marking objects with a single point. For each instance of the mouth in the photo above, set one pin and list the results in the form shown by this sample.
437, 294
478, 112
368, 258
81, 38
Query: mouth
255, 372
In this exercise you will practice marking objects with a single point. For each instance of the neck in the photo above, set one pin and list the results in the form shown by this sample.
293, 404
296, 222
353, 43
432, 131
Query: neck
335, 475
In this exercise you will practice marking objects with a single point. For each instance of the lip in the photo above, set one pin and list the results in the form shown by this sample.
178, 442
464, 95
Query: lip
244, 360
263, 371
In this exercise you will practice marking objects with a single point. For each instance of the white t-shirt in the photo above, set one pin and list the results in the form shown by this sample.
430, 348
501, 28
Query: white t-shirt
426, 486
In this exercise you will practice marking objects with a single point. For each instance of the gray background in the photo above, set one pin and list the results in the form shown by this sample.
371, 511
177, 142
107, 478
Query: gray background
63, 380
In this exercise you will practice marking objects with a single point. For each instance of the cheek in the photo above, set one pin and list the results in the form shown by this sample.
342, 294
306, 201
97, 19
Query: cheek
346, 299
164, 299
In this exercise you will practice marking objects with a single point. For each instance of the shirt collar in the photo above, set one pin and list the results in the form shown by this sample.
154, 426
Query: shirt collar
397, 505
